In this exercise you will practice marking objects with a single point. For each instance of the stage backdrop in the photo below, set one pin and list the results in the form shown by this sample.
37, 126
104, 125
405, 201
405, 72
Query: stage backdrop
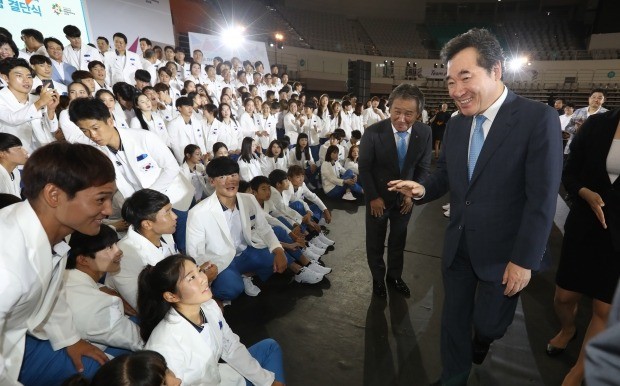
47, 16
212, 46
136, 18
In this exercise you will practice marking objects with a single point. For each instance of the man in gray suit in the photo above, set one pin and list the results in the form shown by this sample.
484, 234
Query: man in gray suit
502, 162
395, 148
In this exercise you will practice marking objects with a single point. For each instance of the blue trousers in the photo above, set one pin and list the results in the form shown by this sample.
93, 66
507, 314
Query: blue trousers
314, 150
298, 206
284, 221
228, 284
283, 236
312, 178
339, 191
44, 366
268, 354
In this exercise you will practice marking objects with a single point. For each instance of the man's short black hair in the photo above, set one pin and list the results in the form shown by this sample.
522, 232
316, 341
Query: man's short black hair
120, 35
602, 91
72, 167
258, 181
72, 31
489, 50
277, 176
356, 134
104, 39
183, 101
53, 40
95, 63
88, 246
222, 166
80, 75
143, 205
31, 32
88, 108
142, 75
147, 41
40, 59
8, 64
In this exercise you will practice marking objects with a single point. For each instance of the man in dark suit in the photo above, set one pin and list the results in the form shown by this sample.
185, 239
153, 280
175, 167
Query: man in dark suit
502, 163
395, 148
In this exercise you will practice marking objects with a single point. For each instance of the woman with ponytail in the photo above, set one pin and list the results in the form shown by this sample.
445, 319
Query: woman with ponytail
180, 320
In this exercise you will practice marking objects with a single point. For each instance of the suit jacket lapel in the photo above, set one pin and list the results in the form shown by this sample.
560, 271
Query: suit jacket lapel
389, 144
499, 130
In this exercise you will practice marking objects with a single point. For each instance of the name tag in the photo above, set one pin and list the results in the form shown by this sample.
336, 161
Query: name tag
141, 157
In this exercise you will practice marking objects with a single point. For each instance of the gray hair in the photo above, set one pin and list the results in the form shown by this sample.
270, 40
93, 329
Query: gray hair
408, 91
490, 52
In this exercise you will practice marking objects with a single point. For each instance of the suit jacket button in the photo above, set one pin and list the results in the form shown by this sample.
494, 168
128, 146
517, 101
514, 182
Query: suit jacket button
460, 227
467, 203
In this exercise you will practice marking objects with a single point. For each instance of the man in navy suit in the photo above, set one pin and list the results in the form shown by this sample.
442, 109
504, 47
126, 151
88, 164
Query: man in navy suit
399, 147
61, 71
502, 163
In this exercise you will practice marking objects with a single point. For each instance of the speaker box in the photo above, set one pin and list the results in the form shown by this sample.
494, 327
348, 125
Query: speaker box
358, 80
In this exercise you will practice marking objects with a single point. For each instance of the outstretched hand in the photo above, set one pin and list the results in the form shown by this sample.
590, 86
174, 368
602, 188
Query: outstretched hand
407, 188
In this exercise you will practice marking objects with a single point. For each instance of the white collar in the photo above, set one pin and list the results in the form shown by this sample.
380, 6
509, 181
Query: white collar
491, 112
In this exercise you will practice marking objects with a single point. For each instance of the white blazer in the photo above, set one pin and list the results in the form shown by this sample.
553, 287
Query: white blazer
138, 252
312, 126
194, 356
154, 166
122, 68
280, 208
302, 194
182, 134
249, 170
248, 126
33, 127
266, 124
80, 59
229, 134
155, 125
99, 317
270, 164
208, 234
8, 184
330, 175
30, 281
291, 127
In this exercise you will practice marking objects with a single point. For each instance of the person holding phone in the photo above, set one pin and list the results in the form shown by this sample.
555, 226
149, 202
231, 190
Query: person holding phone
29, 117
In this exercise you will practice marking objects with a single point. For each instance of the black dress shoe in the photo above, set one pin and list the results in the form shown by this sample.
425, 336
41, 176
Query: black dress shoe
553, 351
479, 351
378, 288
399, 285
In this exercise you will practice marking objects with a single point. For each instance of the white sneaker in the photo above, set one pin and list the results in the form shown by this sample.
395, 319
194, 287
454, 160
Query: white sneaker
446, 207
310, 255
447, 213
316, 249
318, 269
318, 243
325, 240
322, 222
308, 276
348, 196
250, 288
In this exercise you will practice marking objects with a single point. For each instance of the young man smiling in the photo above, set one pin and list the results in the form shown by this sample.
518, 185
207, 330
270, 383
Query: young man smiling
230, 229
68, 187
141, 159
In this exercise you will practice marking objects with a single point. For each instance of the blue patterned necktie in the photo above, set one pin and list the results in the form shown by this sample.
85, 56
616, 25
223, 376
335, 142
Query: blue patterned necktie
402, 148
477, 140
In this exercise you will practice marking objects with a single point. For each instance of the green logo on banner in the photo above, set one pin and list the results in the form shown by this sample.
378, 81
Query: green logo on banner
611, 74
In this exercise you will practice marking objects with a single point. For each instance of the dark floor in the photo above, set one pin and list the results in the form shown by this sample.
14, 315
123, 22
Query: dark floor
337, 333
